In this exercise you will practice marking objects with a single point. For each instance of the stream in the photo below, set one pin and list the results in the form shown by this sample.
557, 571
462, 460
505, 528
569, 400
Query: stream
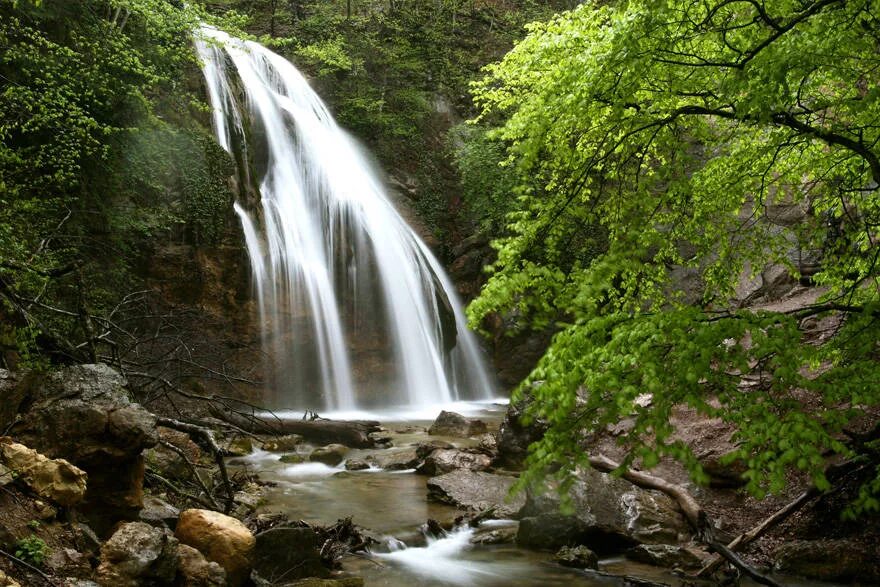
393, 506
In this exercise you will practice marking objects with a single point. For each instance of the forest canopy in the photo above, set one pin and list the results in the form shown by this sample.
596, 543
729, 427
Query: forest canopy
662, 148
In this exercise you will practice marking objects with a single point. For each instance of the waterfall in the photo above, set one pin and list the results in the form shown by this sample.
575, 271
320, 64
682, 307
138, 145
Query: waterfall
355, 309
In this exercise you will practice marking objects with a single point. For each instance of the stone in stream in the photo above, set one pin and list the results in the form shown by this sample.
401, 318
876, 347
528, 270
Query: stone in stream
423, 449
476, 491
331, 455
285, 443
577, 557
453, 424
292, 459
398, 460
356, 465
610, 514
669, 556
444, 461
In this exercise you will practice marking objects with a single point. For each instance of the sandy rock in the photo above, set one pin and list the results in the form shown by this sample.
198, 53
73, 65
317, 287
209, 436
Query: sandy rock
7, 581
239, 446
283, 443
138, 554
476, 491
194, 570
53, 479
577, 557
453, 424
221, 539
331, 455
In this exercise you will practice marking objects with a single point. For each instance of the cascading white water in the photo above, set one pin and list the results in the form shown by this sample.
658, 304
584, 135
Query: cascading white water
345, 287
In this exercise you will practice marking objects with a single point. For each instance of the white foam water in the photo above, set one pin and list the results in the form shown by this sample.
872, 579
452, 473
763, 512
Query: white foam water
343, 283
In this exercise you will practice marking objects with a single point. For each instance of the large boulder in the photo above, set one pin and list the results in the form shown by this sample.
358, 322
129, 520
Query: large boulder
221, 539
288, 553
447, 460
84, 414
194, 570
477, 491
138, 554
609, 514
837, 560
53, 479
452, 424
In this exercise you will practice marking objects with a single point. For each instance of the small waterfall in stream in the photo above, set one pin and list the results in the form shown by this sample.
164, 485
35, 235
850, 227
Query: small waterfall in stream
345, 288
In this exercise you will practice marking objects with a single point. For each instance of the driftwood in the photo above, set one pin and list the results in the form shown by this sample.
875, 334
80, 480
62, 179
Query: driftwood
354, 434
693, 513
208, 437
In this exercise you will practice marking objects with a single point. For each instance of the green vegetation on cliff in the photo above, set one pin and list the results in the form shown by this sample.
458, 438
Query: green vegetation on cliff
655, 140
101, 149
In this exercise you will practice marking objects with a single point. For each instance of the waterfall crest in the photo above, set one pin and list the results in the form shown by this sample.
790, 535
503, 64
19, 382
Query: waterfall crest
356, 310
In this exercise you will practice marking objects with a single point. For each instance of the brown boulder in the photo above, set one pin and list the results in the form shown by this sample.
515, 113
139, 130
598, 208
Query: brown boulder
221, 539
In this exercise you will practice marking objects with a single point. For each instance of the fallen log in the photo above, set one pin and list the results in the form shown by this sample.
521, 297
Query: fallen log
353, 434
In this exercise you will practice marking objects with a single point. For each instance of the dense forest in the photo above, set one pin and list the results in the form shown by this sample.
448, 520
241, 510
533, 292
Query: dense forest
663, 218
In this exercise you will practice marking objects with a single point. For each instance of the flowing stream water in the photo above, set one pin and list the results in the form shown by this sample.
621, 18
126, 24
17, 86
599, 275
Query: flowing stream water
350, 299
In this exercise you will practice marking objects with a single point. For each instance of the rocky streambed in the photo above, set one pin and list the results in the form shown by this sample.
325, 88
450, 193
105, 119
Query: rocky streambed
97, 490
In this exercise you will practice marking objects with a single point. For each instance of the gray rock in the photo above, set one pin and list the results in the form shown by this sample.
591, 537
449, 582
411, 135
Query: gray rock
356, 465
330, 455
452, 424
397, 460
577, 557
830, 560
138, 554
423, 449
667, 555
477, 491
514, 437
609, 514
67, 562
288, 553
447, 460
157, 512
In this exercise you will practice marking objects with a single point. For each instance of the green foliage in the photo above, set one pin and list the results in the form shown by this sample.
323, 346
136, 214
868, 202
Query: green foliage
101, 147
652, 140
32, 550
487, 185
